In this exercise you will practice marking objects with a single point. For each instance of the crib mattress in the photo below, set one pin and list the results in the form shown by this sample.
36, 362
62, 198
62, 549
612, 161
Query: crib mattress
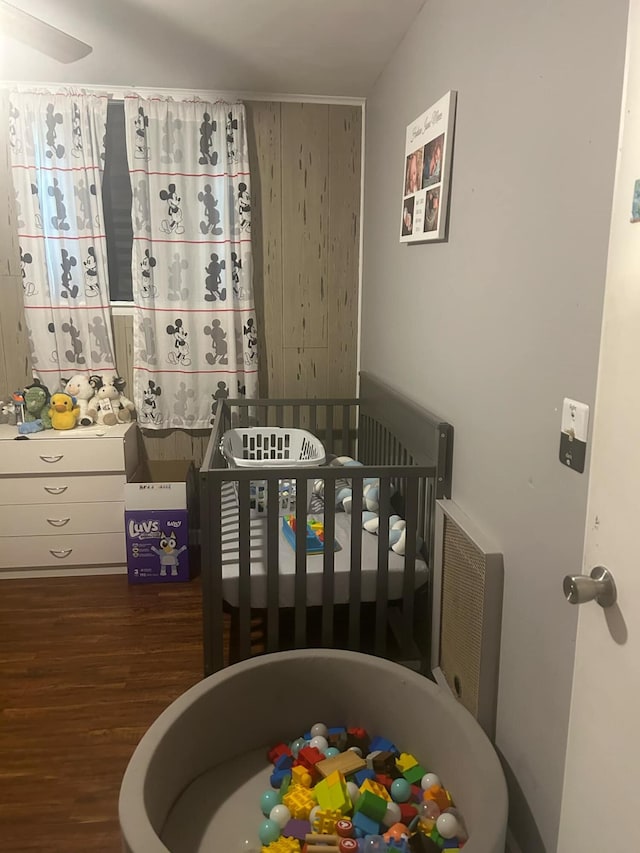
315, 563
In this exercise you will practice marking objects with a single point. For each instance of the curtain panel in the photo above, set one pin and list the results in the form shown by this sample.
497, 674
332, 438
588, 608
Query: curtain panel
57, 157
195, 336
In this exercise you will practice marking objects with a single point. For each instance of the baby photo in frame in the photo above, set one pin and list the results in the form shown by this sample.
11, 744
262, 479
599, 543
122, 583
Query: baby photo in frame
427, 173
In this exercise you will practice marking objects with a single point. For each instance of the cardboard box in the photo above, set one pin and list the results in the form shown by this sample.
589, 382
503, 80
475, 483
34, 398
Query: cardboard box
159, 508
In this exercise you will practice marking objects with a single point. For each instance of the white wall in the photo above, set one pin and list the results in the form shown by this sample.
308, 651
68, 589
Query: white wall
494, 327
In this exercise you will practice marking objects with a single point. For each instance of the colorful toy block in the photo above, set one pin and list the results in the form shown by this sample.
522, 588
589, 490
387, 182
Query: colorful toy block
325, 821
414, 774
364, 825
331, 793
405, 761
372, 806
282, 845
383, 744
440, 796
301, 776
376, 788
346, 763
299, 800
296, 829
276, 751
362, 775
385, 762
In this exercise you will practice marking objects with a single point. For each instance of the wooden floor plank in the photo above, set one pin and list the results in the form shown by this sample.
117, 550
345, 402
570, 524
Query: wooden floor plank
86, 665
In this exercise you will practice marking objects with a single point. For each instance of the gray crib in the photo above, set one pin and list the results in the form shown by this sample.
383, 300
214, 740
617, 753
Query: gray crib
363, 597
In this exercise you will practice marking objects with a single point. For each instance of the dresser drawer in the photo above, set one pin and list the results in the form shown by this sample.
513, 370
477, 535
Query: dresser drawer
55, 456
60, 551
63, 489
45, 520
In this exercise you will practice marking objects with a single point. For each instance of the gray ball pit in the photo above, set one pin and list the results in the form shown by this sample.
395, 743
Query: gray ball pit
194, 781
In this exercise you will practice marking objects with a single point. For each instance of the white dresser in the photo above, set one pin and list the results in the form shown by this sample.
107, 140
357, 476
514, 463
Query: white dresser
62, 500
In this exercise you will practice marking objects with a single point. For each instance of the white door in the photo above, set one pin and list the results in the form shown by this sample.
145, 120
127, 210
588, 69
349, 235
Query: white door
600, 806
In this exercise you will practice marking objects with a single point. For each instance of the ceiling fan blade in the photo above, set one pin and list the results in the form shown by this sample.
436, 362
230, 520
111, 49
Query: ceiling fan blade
42, 36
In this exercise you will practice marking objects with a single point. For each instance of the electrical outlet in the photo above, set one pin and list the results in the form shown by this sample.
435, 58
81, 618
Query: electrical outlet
573, 434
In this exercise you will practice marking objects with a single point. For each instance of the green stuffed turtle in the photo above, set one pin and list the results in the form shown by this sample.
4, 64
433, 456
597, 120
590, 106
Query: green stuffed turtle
36, 405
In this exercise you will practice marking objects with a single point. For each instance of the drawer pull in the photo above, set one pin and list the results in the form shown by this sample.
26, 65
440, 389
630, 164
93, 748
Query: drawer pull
55, 490
52, 458
58, 522
60, 554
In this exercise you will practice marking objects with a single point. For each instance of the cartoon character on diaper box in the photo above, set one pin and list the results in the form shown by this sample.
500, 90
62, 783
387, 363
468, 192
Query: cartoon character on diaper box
168, 553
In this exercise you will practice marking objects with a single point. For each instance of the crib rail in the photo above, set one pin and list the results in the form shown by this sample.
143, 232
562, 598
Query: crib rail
356, 625
410, 452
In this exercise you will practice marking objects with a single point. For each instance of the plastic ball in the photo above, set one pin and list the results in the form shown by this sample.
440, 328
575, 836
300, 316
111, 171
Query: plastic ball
400, 790
392, 814
319, 730
280, 814
429, 809
268, 831
447, 825
268, 800
297, 745
429, 780
319, 742
330, 751
353, 791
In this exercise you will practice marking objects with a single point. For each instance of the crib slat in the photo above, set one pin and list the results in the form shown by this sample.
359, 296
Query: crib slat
408, 580
328, 597
273, 562
382, 577
244, 581
212, 615
355, 575
300, 594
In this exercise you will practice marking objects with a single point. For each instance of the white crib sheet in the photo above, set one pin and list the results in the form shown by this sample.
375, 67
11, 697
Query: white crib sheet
315, 563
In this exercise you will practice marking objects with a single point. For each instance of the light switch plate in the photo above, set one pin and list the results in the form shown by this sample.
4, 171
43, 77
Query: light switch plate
573, 435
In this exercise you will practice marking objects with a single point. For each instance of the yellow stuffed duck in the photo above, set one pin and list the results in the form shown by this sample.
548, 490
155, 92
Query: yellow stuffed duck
64, 411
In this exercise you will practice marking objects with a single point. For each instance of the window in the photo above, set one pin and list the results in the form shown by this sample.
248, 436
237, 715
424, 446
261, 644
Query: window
116, 201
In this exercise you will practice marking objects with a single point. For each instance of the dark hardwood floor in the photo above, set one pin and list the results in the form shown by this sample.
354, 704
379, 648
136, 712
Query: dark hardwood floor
86, 665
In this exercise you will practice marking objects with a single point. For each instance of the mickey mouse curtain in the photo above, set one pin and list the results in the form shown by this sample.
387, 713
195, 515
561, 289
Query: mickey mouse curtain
57, 154
194, 325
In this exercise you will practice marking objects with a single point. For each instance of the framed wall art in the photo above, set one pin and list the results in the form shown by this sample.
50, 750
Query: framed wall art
427, 173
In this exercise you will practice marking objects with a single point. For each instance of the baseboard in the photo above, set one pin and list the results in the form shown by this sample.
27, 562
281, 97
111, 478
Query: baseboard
78, 571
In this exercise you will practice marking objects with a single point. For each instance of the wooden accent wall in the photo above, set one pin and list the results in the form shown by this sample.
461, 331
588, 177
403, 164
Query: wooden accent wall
305, 182
15, 364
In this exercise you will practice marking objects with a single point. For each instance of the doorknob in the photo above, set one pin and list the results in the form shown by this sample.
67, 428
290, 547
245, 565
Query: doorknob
581, 588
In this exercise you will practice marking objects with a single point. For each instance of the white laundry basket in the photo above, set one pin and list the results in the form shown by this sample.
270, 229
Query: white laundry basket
272, 447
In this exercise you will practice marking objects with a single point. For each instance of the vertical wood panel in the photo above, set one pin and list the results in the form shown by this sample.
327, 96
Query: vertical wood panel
305, 372
265, 163
305, 176
345, 135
